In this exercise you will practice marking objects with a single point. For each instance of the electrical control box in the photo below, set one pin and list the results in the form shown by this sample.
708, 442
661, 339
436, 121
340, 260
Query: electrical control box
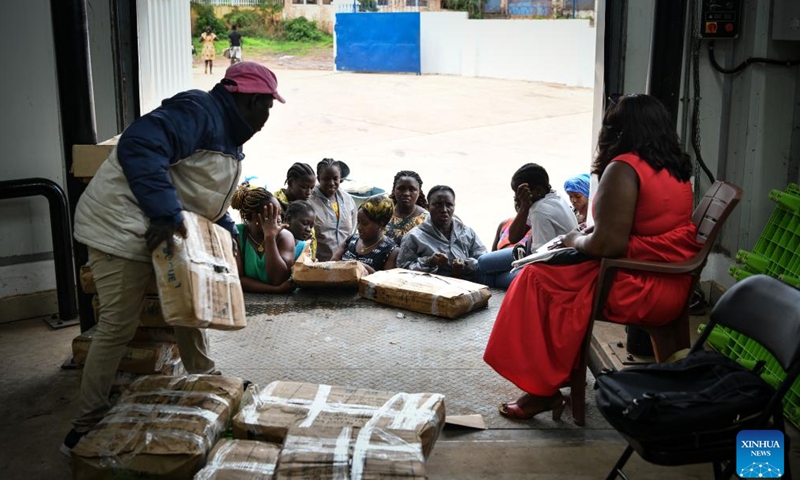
786, 20
720, 19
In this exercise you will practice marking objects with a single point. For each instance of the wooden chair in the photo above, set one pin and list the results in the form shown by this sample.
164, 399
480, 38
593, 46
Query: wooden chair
718, 202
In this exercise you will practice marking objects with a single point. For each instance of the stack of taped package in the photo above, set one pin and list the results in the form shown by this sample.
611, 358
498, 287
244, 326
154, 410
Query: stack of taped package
162, 427
378, 434
424, 292
153, 349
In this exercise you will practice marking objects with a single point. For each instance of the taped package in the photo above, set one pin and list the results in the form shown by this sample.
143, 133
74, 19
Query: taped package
199, 283
424, 292
140, 357
339, 274
281, 405
240, 460
367, 453
150, 316
122, 380
88, 286
161, 427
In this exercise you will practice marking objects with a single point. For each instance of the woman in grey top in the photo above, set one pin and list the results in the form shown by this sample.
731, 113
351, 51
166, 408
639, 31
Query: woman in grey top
335, 209
541, 209
442, 244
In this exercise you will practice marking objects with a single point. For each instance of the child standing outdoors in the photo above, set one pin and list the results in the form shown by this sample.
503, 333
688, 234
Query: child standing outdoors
369, 245
335, 209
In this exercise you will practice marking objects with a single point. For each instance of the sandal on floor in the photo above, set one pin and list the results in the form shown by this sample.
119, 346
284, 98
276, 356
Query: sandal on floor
555, 403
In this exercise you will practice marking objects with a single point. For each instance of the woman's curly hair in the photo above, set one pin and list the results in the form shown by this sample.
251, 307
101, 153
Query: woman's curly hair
249, 200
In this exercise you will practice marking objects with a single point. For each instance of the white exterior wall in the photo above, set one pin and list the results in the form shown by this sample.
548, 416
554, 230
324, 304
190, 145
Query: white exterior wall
165, 53
98, 14
324, 15
554, 51
31, 141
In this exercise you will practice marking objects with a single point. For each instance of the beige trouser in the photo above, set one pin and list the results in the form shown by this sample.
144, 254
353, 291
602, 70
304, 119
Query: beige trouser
121, 287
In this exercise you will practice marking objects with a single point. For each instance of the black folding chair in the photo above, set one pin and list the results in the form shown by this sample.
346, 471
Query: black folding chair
767, 311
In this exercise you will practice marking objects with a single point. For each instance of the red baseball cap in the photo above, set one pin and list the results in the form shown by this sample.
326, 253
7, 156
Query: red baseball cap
250, 77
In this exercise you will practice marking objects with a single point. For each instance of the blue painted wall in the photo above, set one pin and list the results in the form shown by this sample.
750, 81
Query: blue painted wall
378, 42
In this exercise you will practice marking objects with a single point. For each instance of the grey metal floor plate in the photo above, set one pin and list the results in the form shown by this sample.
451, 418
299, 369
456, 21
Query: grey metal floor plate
333, 337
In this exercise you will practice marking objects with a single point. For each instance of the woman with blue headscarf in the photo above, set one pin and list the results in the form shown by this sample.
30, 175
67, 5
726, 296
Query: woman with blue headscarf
577, 188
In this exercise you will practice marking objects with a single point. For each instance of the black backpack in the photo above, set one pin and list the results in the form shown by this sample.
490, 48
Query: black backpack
702, 392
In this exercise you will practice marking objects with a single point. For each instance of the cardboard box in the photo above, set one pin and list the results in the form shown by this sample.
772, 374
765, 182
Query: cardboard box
161, 427
348, 452
86, 159
341, 274
88, 286
424, 292
122, 380
149, 318
199, 283
140, 357
240, 460
282, 405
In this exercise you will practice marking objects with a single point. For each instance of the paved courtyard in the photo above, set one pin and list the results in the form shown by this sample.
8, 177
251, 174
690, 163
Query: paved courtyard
469, 133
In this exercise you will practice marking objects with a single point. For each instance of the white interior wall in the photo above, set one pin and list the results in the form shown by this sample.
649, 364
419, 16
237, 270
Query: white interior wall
165, 54
746, 128
31, 140
554, 51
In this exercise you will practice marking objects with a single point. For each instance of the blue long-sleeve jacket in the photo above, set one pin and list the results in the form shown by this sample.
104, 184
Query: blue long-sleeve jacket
185, 155
188, 122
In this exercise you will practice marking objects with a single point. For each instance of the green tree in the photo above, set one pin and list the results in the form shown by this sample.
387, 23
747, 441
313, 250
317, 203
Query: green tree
474, 8
207, 18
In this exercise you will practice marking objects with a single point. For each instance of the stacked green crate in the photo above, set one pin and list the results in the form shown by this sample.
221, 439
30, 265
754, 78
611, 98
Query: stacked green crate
776, 252
748, 352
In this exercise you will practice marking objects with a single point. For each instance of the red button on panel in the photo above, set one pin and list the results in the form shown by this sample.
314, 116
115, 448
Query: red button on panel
728, 27
711, 27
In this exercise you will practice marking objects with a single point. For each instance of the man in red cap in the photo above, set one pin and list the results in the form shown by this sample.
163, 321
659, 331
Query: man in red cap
184, 155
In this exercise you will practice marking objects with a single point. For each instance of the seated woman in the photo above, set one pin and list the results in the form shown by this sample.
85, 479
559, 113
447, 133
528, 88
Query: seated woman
335, 209
642, 211
577, 188
410, 205
299, 218
300, 181
266, 252
369, 245
442, 244
501, 240
539, 209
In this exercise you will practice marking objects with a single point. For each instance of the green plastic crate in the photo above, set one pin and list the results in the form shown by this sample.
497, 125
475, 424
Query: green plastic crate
747, 352
777, 251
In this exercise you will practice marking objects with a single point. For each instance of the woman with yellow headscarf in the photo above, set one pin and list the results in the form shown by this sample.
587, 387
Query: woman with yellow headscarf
369, 245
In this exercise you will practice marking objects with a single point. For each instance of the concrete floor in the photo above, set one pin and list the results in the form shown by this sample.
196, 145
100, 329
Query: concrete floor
336, 339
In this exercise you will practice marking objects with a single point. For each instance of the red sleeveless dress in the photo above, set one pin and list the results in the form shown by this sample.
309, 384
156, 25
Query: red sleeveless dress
541, 324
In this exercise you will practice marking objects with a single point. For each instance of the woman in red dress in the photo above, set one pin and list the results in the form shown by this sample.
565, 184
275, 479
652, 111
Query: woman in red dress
642, 210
